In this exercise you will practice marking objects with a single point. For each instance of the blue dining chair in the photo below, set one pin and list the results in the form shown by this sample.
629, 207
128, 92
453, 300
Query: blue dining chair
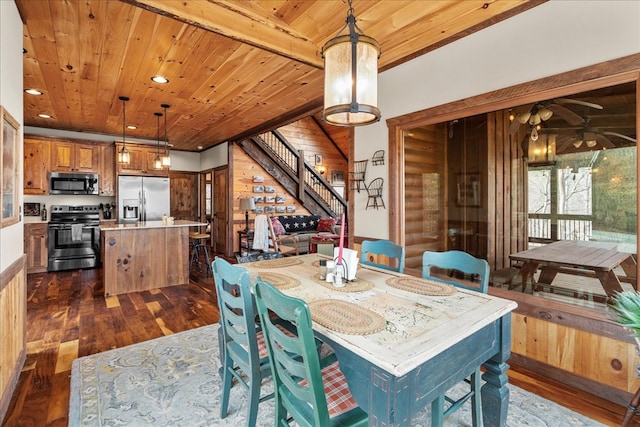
242, 344
311, 390
386, 248
476, 278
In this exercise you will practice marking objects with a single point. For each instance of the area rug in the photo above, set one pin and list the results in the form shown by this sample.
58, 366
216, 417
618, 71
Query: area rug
174, 381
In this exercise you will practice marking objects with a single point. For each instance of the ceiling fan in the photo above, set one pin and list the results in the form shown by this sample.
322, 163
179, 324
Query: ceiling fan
590, 137
542, 111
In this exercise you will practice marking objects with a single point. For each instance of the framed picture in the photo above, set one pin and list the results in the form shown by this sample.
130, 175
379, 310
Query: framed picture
9, 138
318, 159
258, 178
259, 210
31, 209
280, 209
291, 209
269, 189
258, 199
270, 199
258, 188
468, 190
337, 178
280, 199
269, 209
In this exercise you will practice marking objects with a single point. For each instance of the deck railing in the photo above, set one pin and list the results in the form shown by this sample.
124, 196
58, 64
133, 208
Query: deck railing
566, 227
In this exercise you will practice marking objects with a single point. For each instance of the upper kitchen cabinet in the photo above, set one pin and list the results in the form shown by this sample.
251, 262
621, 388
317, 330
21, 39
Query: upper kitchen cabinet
45, 155
75, 157
107, 182
142, 161
36, 166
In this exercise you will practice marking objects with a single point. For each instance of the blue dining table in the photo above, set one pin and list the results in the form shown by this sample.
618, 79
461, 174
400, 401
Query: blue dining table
424, 344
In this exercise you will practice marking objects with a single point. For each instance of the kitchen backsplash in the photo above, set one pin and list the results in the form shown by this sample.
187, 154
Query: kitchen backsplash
74, 200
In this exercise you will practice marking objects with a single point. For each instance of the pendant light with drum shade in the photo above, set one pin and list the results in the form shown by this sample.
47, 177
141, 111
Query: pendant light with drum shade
157, 163
123, 155
166, 159
351, 77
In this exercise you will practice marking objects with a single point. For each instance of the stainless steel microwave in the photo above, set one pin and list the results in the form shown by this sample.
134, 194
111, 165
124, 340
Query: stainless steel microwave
73, 183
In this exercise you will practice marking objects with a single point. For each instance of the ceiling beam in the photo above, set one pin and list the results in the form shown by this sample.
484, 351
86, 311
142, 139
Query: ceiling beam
245, 23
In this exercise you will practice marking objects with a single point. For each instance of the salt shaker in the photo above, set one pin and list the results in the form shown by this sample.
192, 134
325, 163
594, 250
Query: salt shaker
330, 268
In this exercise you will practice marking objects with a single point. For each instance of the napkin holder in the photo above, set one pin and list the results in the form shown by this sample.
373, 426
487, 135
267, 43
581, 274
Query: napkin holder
349, 262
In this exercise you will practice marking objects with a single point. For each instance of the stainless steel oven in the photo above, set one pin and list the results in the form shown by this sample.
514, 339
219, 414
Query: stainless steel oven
74, 237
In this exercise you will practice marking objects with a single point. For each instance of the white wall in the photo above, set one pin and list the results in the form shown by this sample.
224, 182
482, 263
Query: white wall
552, 38
11, 238
214, 157
185, 161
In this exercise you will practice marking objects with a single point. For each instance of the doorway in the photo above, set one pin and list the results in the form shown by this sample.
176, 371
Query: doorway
214, 196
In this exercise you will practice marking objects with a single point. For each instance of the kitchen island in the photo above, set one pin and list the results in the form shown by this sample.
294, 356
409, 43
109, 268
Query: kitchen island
145, 255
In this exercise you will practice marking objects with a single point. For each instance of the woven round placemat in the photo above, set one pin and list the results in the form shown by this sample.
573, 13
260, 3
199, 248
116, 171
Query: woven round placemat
421, 286
357, 286
280, 281
346, 317
278, 263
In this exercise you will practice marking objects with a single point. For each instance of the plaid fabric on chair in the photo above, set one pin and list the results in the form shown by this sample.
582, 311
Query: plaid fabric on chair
339, 398
262, 345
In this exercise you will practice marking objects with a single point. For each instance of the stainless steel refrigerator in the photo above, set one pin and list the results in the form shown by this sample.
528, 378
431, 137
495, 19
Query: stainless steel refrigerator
142, 198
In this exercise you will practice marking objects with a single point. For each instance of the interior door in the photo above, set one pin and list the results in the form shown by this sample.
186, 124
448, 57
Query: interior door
223, 239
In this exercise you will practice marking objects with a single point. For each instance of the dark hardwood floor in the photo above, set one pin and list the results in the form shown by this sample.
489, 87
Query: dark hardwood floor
69, 317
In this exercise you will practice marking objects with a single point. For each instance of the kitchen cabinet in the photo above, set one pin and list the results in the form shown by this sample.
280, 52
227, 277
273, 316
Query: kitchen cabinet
142, 161
36, 166
36, 246
107, 182
74, 157
184, 195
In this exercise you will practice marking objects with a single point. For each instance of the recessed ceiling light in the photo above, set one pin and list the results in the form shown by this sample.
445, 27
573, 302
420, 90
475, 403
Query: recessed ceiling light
33, 91
132, 127
160, 79
44, 116
200, 147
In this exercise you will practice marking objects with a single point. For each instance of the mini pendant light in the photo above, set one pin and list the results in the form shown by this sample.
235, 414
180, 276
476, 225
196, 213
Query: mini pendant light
166, 159
351, 77
157, 163
123, 155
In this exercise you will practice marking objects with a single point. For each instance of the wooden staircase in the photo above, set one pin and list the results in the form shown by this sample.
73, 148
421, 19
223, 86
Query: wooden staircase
287, 166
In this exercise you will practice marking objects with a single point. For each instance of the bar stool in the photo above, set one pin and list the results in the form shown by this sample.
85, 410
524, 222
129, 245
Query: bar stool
198, 245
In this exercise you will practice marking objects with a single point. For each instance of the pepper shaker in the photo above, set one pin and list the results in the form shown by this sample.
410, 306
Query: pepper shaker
323, 269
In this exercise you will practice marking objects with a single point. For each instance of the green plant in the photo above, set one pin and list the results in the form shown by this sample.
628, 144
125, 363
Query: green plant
626, 309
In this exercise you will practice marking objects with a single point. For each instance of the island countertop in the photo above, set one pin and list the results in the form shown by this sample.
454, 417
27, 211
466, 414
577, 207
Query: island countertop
150, 224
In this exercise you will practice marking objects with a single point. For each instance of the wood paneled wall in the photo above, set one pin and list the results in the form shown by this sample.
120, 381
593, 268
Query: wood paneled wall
244, 169
507, 231
306, 135
13, 329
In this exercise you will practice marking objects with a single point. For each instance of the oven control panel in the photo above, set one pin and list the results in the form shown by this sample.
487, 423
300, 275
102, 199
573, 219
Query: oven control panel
74, 209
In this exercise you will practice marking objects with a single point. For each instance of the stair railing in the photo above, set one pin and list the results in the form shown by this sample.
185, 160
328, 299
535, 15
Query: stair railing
308, 178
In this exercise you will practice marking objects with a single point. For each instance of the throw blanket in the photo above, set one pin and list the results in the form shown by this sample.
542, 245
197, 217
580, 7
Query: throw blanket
261, 233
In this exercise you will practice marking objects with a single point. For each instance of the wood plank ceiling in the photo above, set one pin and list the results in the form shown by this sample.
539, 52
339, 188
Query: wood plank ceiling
235, 67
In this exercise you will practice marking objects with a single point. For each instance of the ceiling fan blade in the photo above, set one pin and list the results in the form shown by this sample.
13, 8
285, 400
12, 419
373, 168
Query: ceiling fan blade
569, 116
565, 142
577, 102
604, 141
619, 135
514, 126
